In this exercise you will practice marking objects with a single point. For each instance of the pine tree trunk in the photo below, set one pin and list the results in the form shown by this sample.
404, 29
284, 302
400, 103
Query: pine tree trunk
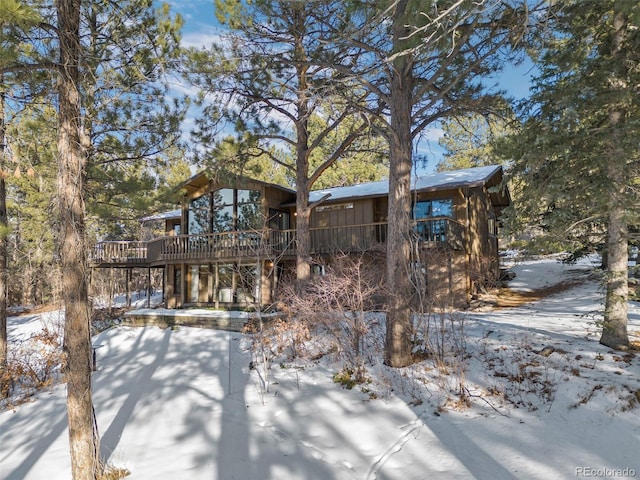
4, 380
303, 237
83, 437
399, 323
303, 212
614, 328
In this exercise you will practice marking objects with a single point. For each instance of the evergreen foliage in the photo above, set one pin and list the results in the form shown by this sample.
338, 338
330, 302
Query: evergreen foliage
420, 62
102, 65
31, 178
470, 140
577, 153
132, 125
271, 78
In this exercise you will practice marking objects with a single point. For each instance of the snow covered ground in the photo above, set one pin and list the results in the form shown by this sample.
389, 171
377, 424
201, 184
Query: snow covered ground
546, 401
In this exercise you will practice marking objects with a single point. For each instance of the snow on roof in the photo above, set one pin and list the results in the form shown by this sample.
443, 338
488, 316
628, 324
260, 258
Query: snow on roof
433, 181
163, 216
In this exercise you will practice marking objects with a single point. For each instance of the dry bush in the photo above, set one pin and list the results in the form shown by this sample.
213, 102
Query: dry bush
109, 472
338, 302
521, 375
33, 363
439, 330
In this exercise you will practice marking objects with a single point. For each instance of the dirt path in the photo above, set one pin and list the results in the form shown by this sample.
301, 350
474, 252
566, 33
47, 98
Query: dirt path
508, 298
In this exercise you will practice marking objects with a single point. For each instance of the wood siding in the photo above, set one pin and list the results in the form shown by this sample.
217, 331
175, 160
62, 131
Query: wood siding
460, 254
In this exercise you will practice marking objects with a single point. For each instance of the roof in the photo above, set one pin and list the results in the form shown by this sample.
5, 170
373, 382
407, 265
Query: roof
489, 176
171, 214
230, 180
469, 177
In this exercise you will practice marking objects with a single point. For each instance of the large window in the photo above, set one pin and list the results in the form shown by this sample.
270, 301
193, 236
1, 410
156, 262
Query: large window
279, 220
197, 283
236, 283
177, 280
199, 220
225, 210
249, 213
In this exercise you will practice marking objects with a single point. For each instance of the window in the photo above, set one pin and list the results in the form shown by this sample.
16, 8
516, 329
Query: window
199, 210
249, 216
225, 210
236, 283
318, 269
433, 208
493, 226
335, 206
246, 291
177, 280
430, 226
279, 220
198, 283
193, 283
222, 215
248, 196
223, 218
225, 276
225, 283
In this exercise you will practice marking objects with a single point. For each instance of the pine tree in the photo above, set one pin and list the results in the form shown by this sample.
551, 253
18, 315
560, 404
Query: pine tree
578, 152
15, 19
470, 140
72, 160
366, 160
4, 388
110, 111
271, 75
422, 61
130, 120
31, 184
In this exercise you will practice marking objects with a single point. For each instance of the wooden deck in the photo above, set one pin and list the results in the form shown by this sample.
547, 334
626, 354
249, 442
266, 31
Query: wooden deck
267, 244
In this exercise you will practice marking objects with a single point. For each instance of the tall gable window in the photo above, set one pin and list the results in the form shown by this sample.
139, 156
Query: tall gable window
249, 213
225, 210
199, 210
223, 218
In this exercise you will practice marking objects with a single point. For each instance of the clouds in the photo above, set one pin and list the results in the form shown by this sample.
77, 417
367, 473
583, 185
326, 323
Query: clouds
201, 28
432, 134
203, 37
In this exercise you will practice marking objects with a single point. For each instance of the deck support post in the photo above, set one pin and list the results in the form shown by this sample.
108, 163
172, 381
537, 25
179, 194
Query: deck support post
127, 278
149, 287
110, 291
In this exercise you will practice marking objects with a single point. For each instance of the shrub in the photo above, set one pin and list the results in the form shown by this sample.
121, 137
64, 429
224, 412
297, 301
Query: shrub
33, 363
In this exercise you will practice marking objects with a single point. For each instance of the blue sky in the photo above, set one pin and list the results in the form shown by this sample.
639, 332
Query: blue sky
201, 28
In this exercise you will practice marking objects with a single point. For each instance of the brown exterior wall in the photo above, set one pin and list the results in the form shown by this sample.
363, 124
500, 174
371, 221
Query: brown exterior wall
454, 271
482, 248
446, 278
358, 212
173, 296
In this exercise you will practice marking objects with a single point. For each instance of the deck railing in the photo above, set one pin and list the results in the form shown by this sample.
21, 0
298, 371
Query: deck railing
120, 252
271, 243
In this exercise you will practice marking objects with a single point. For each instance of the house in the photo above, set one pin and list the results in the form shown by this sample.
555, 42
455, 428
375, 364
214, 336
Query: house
234, 237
